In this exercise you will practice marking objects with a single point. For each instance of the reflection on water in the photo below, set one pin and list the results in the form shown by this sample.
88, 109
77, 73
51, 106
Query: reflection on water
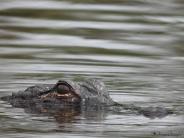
135, 47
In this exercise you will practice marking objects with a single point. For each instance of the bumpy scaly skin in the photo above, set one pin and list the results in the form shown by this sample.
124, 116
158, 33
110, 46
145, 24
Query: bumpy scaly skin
90, 93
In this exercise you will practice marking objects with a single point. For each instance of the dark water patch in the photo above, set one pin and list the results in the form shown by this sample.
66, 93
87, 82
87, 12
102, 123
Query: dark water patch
16, 56
99, 51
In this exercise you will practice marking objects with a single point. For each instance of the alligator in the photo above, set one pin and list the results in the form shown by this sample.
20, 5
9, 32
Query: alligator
89, 94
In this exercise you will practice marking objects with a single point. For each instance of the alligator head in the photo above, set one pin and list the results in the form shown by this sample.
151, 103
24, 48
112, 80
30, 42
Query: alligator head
68, 95
63, 93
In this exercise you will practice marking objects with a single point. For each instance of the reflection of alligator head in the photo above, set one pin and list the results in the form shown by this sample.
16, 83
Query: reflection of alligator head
91, 94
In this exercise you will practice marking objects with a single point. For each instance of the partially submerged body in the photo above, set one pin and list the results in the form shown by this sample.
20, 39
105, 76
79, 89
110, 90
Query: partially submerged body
90, 94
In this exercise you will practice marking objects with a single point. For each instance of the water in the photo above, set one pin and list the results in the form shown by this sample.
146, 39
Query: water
136, 47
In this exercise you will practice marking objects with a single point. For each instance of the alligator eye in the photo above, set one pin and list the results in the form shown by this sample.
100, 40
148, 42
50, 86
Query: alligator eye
64, 92
61, 88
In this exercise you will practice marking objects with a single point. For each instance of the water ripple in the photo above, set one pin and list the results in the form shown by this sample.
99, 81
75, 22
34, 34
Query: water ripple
135, 47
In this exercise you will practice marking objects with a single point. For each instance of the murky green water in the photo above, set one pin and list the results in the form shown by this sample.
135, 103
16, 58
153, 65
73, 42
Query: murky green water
135, 46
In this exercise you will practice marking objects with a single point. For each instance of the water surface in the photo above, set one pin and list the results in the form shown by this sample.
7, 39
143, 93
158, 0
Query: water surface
136, 47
